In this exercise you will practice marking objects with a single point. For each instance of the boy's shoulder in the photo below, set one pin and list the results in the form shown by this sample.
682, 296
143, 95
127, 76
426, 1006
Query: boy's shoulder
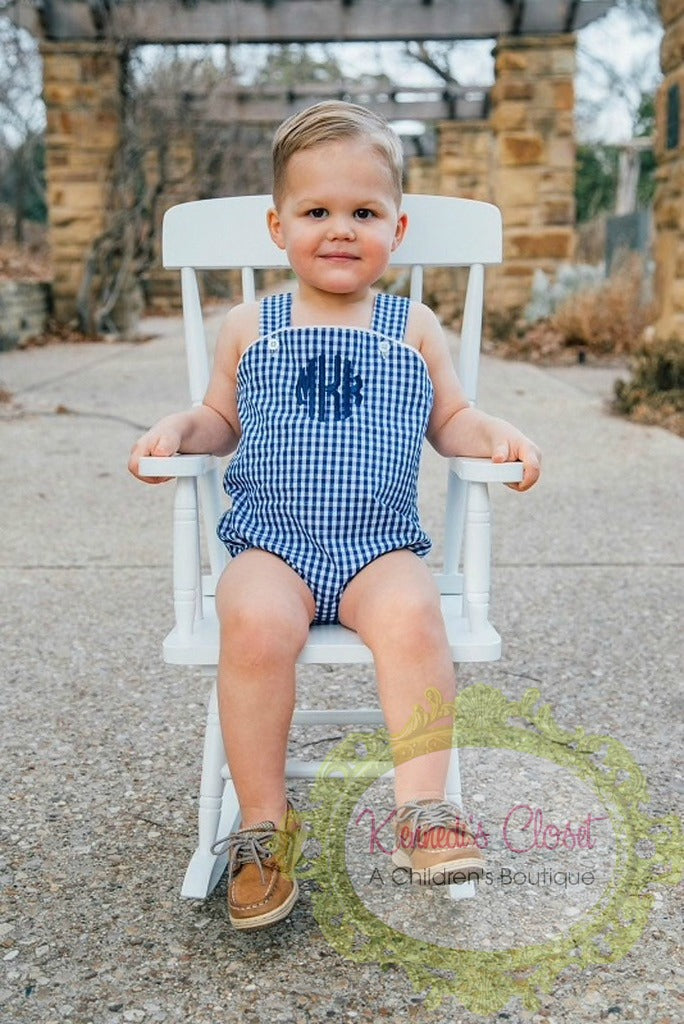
421, 321
243, 313
240, 325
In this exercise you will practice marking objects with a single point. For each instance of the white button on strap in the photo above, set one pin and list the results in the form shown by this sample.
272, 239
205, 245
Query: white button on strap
384, 347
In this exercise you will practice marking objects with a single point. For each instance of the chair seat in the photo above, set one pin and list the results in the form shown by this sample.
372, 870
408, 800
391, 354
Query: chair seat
335, 643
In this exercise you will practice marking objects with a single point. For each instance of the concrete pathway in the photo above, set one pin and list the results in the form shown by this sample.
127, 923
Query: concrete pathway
101, 741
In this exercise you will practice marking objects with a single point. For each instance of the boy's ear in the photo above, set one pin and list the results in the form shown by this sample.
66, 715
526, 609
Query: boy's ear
402, 225
274, 227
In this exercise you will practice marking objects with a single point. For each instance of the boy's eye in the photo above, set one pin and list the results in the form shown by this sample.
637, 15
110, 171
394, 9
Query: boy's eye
364, 214
318, 213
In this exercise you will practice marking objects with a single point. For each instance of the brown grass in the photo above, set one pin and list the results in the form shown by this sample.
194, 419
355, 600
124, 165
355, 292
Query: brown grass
603, 323
609, 319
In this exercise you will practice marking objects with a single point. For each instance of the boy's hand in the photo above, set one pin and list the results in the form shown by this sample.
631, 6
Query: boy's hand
515, 447
162, 442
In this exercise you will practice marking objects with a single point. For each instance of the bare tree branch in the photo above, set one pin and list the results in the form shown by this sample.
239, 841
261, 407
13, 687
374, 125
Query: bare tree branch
433, 56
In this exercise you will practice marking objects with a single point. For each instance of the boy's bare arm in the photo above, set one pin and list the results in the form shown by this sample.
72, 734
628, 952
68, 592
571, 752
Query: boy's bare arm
212, 427
457, 429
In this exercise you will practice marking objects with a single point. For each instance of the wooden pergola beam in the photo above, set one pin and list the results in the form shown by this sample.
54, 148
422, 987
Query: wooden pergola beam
134, 22
273, 105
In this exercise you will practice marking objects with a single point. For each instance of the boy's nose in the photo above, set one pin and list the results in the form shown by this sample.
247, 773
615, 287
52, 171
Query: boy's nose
340, 227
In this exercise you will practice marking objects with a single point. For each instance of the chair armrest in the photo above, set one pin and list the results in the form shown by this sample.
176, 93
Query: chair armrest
177, 465
485, 471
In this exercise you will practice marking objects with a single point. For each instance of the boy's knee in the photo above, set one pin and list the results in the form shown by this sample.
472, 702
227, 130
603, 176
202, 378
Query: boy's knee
261, 631
409, 620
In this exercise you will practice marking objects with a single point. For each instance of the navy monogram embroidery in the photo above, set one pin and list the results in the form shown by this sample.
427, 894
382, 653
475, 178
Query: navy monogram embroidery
329, 387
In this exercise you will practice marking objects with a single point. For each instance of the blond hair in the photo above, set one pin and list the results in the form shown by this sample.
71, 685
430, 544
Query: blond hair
329, 122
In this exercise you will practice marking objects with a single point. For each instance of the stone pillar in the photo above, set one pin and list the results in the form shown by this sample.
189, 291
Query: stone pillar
464, 159
421, 176
82, 92
462, 168
669, 198
533, 173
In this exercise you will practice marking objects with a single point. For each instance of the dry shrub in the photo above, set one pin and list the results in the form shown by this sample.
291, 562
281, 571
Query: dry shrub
591, 240
608, 319
539, 343
655, 393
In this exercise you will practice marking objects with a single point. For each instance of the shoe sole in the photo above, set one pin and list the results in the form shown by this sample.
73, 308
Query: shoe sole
454, 872
272, 917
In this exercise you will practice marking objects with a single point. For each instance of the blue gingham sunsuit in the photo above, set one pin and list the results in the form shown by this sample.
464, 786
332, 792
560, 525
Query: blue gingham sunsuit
333, 421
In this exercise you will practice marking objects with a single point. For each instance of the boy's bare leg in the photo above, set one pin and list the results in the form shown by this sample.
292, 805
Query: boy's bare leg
393, 603
264, 609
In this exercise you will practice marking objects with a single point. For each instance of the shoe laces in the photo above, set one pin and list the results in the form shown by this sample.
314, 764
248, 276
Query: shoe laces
248, 846
423, 815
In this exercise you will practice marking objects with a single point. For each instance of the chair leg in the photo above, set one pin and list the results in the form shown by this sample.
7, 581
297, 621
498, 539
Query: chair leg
205, 869
230, 811
466, 890
219, 812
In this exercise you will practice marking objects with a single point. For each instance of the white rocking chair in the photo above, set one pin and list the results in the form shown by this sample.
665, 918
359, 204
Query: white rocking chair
232, 233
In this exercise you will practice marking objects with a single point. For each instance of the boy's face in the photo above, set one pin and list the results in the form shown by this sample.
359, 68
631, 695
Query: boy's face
338, 218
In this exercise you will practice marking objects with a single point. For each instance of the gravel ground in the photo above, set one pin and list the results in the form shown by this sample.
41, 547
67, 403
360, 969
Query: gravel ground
101, 741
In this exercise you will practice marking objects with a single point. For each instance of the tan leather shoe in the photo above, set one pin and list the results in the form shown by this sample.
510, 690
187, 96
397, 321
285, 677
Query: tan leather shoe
435, 844
262, 888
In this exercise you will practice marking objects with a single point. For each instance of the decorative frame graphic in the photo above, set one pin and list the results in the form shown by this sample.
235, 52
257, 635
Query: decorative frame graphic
648, 853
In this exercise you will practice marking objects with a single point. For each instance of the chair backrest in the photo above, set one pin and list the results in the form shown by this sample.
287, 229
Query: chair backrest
231, 233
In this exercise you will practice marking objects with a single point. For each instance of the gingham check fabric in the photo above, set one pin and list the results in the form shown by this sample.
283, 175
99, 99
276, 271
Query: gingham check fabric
333, 421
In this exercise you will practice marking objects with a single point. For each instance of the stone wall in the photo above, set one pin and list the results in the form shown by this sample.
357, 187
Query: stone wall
462, 168
82, 93
24, 311
522, 159
465, 159
669, 199
421, 176
533, 163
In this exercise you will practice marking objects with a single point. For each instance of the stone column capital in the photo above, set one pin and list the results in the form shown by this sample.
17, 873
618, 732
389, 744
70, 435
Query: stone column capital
559, 40
82, 47
670, 10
